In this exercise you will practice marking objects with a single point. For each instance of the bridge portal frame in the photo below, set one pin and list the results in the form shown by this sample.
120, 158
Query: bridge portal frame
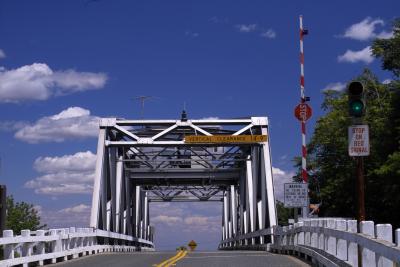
119, 204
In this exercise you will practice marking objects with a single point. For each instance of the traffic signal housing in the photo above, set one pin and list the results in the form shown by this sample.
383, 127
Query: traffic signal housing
356, 99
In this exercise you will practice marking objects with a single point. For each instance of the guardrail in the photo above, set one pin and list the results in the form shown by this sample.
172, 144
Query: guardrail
57, 245
328, 242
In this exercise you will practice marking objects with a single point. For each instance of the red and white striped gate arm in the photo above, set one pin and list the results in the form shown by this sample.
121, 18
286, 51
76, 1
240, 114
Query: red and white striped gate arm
304, 173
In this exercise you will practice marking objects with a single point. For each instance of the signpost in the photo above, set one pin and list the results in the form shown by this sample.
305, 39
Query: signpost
358, 140
296, 195
303, 112
359, 147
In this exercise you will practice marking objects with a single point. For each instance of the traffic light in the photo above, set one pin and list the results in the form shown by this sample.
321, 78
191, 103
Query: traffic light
356, 99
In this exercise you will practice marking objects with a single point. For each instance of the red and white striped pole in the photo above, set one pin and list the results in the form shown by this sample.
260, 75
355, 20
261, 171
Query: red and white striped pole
304, 173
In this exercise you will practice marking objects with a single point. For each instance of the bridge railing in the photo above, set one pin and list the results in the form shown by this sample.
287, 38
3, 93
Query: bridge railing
329, 242
57, 245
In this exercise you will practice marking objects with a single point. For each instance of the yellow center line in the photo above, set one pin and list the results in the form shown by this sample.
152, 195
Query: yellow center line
165, 263
171, 263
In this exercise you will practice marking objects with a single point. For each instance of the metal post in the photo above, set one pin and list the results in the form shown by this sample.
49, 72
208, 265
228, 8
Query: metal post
3, 208
360, 189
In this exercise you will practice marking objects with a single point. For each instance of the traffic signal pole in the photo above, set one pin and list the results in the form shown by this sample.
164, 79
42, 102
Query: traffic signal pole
358, 141
360, 189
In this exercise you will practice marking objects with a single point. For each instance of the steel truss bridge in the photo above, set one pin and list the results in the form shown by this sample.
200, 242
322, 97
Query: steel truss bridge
143, 161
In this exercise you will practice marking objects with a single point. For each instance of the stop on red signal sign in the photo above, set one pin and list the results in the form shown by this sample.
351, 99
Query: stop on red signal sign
303, 112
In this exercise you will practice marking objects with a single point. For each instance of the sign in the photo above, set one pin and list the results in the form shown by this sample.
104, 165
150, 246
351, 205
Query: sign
303, 112
192, 245
296, 195
225, 138
358, 140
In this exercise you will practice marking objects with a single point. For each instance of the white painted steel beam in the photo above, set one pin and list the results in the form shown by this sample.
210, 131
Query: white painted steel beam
95, 211
250, 191
269, 181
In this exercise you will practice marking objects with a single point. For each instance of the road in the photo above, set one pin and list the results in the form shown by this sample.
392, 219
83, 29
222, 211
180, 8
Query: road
184, 259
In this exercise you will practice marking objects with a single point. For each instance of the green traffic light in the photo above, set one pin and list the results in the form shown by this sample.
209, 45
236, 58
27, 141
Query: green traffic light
356, 108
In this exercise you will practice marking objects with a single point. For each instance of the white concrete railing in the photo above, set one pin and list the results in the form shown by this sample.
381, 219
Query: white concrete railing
330, 242
56, 245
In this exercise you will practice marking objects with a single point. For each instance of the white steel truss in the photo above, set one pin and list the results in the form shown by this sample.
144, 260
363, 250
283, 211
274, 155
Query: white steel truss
143, 161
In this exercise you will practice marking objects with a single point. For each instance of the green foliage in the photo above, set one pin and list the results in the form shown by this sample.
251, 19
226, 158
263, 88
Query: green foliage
21, 216
389, 50
284, 214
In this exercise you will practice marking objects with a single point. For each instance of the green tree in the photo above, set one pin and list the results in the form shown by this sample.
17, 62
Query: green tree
21, 216
389, 50
284, 214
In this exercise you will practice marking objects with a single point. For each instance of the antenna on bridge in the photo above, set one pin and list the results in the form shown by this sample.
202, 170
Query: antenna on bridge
142, 99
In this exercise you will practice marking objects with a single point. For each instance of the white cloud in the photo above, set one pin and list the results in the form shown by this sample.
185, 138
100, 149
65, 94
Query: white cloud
168, 220
39, 82
69, 174
72, 123
7, 126
192, 34
363, 55
387, 81
246, 27
75, 216
81, 208
364, 30
280, 178
385, 35
2, 54
338, 86
81, 161
269, 34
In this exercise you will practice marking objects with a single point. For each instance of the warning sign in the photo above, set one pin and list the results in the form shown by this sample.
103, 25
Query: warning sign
358, 140
225, 138
296, 195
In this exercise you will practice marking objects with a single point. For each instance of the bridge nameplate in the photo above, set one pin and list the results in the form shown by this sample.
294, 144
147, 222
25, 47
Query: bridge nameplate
225, 139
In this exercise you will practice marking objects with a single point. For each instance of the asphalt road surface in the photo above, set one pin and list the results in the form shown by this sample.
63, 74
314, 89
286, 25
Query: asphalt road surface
184, 259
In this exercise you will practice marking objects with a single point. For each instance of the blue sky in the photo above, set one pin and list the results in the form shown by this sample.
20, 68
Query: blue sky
64, 64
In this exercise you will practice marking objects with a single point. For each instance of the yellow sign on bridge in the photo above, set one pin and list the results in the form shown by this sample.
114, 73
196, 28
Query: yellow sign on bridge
225, 139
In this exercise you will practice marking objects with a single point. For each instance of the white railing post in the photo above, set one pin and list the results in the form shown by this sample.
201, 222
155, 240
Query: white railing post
285, 237
384, 232
56, 245
314, 235
341, 248
352, 248
26, 247
321, 238
291, 236
8, 249
40, 247
300, 235
307, 235
295, 237
331, 240
367, 256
